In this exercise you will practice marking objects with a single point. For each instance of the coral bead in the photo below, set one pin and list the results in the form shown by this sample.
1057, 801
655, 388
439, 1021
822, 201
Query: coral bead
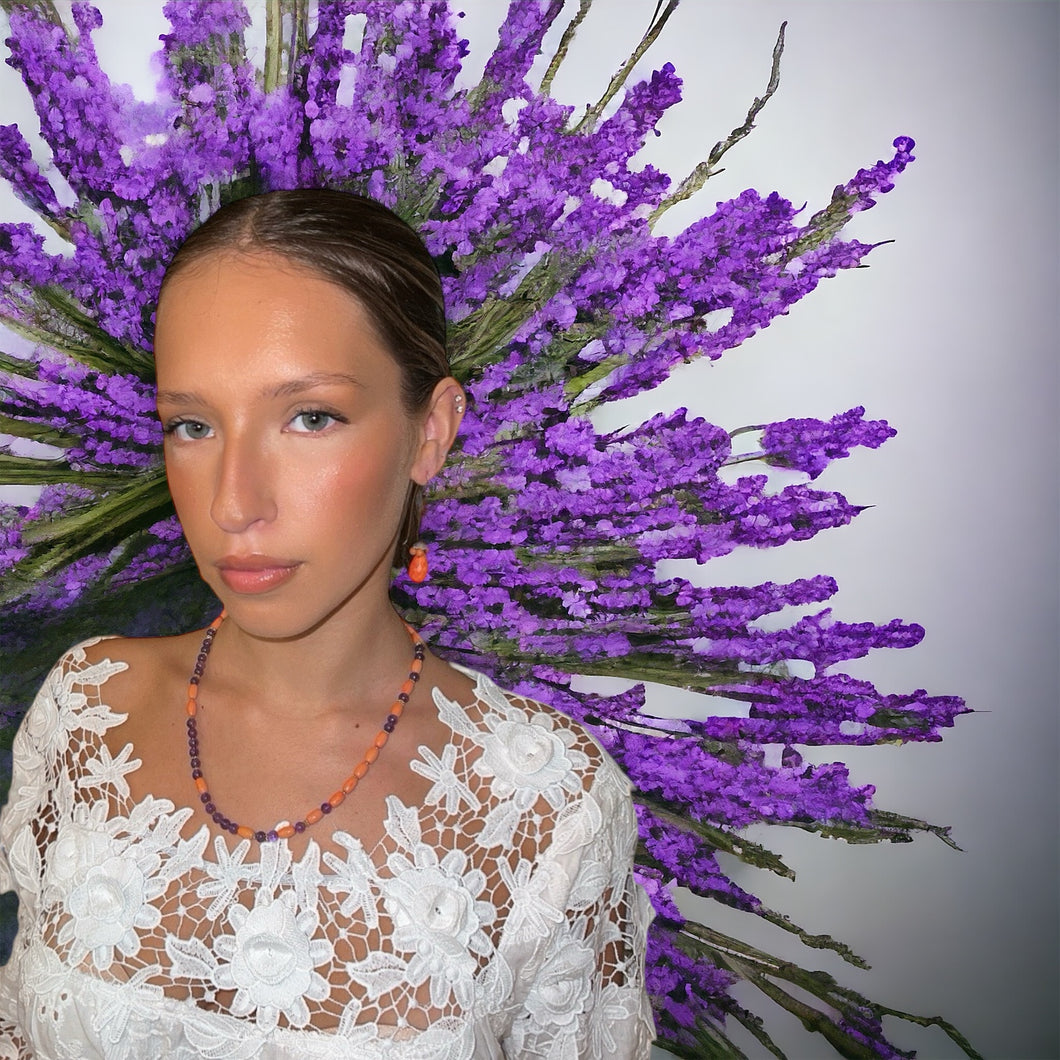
418, 567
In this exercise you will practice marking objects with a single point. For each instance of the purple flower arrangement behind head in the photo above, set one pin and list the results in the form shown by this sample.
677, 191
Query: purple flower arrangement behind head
549, 532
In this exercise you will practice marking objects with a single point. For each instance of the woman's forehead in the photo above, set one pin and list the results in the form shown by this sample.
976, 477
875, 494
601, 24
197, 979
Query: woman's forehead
258, 314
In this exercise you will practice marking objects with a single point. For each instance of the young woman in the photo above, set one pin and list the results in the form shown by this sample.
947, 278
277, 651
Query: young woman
299, 833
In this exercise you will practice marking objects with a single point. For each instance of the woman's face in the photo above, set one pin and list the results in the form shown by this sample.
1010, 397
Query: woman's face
288, 449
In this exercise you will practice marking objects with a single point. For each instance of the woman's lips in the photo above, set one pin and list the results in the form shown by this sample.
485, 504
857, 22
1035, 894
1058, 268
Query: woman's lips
255, 574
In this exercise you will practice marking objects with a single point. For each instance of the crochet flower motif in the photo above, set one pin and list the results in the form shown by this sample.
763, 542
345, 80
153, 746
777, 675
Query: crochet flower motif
107, 908
270, 961
562, 987
437, 916
80, 844
527, 758
42, 725
352, 876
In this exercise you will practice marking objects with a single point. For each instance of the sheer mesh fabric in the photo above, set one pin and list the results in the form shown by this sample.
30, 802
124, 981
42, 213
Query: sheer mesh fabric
498, 919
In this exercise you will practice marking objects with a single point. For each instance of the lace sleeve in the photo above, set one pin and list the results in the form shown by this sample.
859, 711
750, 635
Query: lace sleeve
40, 779
586, 996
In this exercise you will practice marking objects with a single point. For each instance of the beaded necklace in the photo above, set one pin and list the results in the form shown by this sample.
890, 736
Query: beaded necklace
284, 829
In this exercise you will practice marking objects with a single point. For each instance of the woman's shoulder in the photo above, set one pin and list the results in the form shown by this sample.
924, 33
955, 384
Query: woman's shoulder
531, 740
127, 666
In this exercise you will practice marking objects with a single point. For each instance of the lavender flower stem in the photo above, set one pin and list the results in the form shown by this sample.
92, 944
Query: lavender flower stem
33, 471
38, 432
659, 19
564, 46
738, 846
44, 8
273, 44
708, 168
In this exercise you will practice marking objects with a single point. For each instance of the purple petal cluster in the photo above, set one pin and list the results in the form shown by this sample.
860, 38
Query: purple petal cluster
110, 416
811, 445
684, 989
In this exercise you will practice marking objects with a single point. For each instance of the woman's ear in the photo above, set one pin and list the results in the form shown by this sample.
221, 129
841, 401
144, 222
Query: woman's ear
437, 429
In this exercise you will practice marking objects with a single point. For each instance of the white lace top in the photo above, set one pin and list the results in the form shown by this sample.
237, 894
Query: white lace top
499, 919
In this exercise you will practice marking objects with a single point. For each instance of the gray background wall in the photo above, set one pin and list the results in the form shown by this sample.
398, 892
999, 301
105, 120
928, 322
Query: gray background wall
951, 335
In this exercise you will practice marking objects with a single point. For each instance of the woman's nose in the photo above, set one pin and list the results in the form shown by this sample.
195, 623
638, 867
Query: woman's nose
243, 493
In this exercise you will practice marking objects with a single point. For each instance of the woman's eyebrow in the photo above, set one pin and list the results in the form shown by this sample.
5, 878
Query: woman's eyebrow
307, 382
179, 397
286, 389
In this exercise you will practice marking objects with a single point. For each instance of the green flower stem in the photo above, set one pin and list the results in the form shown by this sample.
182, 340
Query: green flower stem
273, 44
662, 668
476, 339
580, 383
44, 8
34, 471
812, 1019
818, 942
417, 192
109, 521
746, 458
659, 19
824, 226
945, 1026
60, 341
58, 314
709, 168
281, 54
899, 824
110, 356
37, 432
22, 366
760, 969
748, 851
564, 46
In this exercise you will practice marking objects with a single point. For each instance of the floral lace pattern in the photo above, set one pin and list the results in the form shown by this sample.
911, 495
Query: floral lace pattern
522, 937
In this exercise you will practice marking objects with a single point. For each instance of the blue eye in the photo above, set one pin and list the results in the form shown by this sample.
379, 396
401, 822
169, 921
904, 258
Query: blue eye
189, 430
313, 421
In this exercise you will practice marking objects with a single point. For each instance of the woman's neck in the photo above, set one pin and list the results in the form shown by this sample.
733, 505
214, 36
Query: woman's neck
349, 661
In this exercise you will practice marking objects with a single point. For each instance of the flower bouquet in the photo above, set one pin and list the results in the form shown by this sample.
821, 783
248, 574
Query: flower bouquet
551, 535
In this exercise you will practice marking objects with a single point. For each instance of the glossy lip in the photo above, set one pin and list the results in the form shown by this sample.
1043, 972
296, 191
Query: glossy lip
255, 574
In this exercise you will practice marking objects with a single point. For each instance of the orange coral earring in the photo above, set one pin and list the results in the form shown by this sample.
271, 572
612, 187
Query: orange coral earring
418, 562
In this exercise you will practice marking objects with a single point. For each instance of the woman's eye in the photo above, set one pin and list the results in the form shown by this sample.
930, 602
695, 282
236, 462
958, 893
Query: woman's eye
312, 421
189, 430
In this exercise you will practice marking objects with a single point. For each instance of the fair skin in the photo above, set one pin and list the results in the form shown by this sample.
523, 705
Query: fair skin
289, 454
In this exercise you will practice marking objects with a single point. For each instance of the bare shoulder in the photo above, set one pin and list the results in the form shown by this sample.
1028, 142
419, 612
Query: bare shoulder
144, 667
